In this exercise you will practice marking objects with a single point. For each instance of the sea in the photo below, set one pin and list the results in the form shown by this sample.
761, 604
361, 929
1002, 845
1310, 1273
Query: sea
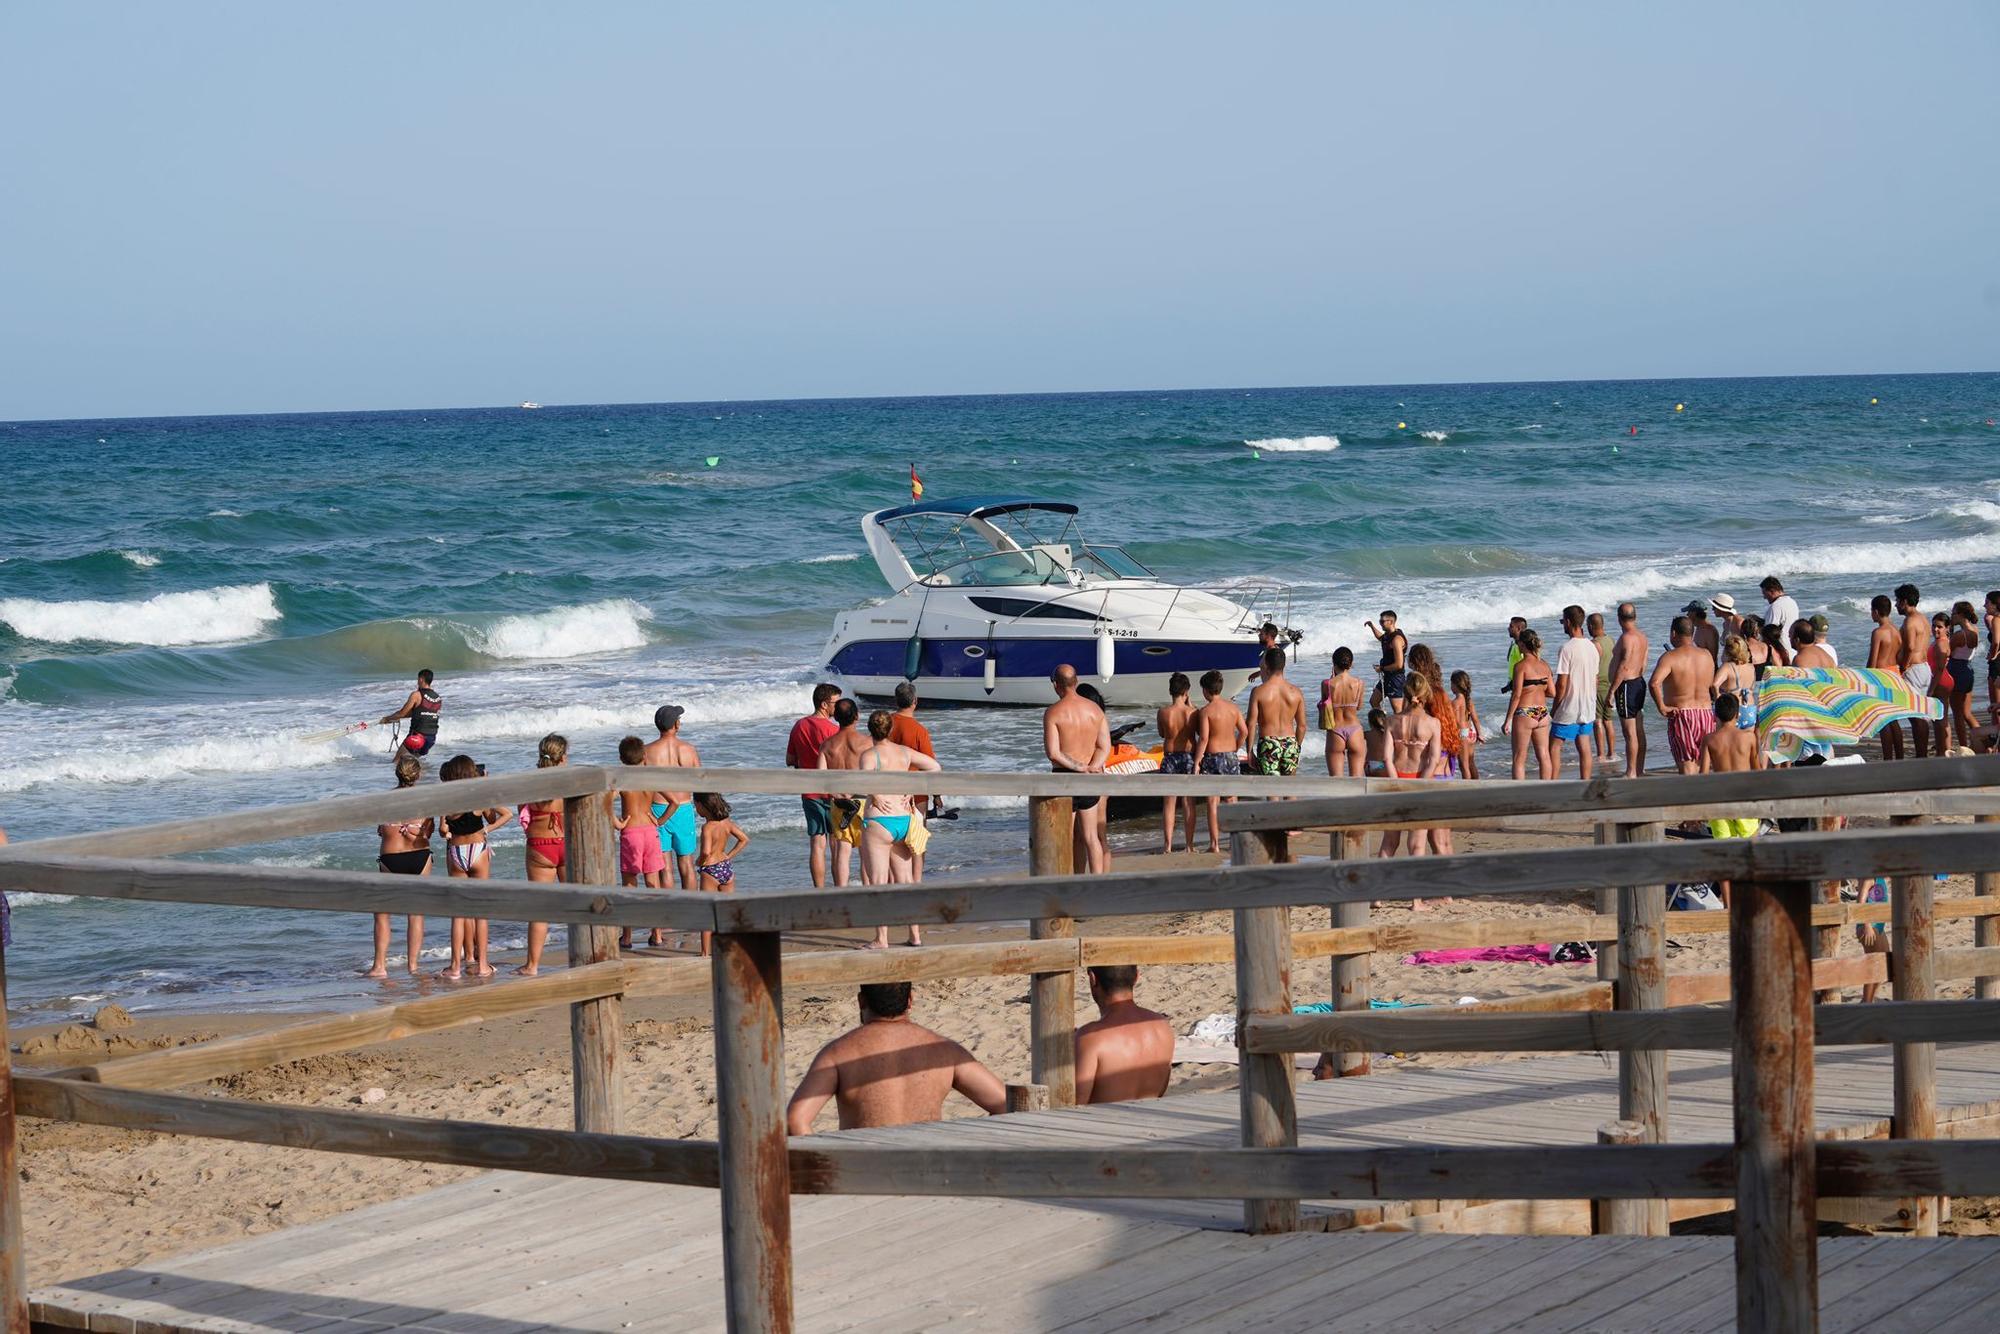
183, 600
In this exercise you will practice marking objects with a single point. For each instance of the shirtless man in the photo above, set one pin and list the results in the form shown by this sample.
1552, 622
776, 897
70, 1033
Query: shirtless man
1277, 720
1414, 745
1219, 731
890, 1071
1127, 1052
1628, 687
1395, 647
1340, 697
1077, 740
1810, 652
1705, 636
1680, 685
1914, 661
1885, 649
843, 750
1176, 724
679, 835
1730, 749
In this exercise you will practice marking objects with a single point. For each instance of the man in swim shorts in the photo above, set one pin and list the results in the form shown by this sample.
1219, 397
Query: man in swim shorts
1395, 648
1885, 648
1175, 724
421, 708
1680, 684
1628, 687
843, 750
1913, 659
1605, 733
1575, 716
802, 752
678, 834
1077, 740
1277, 721
1219, 730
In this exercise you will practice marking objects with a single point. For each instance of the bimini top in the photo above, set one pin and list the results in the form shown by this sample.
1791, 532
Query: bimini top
975, 507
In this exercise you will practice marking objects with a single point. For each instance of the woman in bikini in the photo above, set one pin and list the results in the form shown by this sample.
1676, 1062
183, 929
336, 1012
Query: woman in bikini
468, 857
721, 842
405, 850
1962, 639
1759, 656
1534, 685
1470, 734
1737, 677
1340, 697
546, 847
888, 817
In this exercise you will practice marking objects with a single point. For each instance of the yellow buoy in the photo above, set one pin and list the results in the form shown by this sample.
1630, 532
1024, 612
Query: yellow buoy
1873, 401
1680, 407
1402, 426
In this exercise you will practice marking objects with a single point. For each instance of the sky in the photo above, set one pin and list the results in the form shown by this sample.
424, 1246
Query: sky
218, 207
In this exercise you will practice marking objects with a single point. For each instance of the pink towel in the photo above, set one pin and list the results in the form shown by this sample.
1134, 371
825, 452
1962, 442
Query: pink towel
1538, 954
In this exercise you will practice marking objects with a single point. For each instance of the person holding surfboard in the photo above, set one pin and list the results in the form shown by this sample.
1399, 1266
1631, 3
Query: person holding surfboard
421, 708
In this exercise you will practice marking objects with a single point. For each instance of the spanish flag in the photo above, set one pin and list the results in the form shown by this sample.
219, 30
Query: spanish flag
916, 484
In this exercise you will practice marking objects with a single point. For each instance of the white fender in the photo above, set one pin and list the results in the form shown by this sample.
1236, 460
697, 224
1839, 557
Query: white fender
990, 673
1107, 656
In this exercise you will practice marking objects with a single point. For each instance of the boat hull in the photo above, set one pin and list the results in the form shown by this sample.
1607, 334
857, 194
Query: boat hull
954, 670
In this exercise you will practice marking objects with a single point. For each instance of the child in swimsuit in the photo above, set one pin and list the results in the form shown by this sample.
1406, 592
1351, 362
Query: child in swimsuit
405, 850
1469, 733
641, 859
1377, 736
468, 856
542, 821
722, 841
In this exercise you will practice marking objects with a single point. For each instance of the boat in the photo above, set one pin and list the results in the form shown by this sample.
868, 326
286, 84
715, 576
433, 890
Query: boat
992, 593
530, 404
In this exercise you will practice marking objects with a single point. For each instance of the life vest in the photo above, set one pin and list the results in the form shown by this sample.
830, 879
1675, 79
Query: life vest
424, 722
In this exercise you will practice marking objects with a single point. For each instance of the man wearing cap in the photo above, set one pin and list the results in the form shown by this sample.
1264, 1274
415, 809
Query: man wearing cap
678, 834
1705, 637
1822, 634
1729, 619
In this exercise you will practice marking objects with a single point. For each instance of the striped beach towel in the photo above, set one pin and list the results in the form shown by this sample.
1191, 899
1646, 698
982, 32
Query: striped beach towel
1805, 708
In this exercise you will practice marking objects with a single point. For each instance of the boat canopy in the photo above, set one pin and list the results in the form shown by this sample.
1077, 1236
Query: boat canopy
986, 541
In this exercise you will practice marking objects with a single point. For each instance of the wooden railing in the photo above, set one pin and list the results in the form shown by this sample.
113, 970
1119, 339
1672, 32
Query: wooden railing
1773, 1173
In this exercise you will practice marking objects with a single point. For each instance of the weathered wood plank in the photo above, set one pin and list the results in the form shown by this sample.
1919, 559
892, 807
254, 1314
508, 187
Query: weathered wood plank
1052, 994
1641, 988
750, 1117
1264, 988
1353, 967
13, 1241
1913, 974
1706, 988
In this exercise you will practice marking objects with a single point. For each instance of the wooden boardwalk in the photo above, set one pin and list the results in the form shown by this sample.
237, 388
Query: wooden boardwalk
506, 1253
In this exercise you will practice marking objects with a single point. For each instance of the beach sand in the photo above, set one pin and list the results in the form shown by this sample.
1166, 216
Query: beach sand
96, 1199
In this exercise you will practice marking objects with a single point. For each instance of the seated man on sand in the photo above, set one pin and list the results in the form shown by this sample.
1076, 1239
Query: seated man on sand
890, 1071
1128, 1051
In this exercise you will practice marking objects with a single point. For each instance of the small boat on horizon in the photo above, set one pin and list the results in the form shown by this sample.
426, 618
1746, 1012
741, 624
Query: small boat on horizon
530, 404
993, 593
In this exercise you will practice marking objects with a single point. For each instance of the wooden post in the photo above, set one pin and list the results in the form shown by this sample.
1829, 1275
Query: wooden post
1777, 1224
1620, 1218
1270, 1118
1826, 939
1027, 1098
1986, 930
1052, 996
1605, 905
596, 1027
1640, 983
750, 1125
1352, 973
1913, 973
13, 1245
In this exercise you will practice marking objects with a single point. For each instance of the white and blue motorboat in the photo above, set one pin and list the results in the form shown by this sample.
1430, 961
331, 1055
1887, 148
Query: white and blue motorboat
993, 593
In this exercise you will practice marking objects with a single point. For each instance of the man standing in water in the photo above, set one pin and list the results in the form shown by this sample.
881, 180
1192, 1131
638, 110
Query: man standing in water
1395, 646
1680, 685
1885, 648
1605, 733
1575, 716
843, 750
1628, 687
421, 708
1077, 739
1913, 659
802, 752
678, 833
1277, 720
1782, 607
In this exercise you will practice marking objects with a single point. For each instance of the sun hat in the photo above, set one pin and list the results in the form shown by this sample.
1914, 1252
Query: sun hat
1723, 603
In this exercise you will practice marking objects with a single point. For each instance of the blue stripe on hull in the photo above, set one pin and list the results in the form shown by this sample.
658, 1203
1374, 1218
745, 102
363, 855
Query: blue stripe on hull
1039, 657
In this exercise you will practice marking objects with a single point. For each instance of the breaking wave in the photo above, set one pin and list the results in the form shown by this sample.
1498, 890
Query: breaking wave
1306, 444
202, 616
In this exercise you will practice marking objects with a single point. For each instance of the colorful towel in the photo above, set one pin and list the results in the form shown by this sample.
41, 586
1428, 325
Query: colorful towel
1803, 708
1535, 954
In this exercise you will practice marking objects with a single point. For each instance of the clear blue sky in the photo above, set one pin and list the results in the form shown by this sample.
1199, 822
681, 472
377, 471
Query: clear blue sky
255, 207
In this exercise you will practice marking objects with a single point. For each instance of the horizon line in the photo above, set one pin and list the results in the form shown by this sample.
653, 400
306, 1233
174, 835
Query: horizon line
974, 394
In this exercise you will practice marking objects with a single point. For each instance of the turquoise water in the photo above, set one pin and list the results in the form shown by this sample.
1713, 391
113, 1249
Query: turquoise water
180, 599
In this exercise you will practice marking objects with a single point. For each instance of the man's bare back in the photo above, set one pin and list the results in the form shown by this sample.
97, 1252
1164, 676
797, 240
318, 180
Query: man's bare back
1730, 750
1628, 657
1916, 641
1683, 677
1277, 709
673, 753
890, 1072
843, 749
1885, 648
1220, 726
1127, 1054
1176, 723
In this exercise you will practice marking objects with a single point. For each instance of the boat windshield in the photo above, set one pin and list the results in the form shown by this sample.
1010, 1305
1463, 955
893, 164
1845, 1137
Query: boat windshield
1110, 563
1024, 546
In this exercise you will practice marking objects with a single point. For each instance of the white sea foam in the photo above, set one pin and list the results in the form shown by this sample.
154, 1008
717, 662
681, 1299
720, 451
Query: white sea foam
145, 560
836, 558
1306, 444
202, 616
563, 632
225, 514
19, 899
1976, 509
1438, 436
